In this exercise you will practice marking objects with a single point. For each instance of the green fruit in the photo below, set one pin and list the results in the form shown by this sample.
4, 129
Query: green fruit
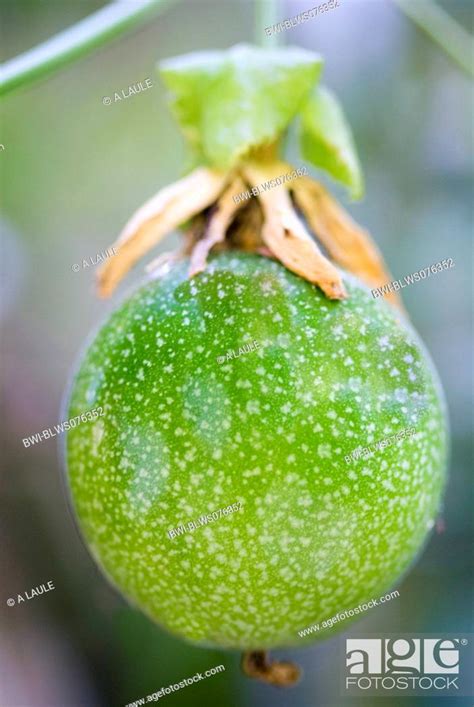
183, 435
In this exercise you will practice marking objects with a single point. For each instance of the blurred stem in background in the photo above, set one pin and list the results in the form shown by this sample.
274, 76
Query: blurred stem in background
120, 16
267, 13
442, 29
77, 41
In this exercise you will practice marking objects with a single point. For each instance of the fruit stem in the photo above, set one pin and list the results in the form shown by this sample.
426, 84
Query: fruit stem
257, 665
266, 15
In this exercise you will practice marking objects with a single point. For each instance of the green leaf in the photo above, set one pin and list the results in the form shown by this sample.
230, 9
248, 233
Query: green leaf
230, 101
326, 141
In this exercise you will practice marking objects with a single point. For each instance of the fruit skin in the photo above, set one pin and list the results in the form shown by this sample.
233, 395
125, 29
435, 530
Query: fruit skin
183, 435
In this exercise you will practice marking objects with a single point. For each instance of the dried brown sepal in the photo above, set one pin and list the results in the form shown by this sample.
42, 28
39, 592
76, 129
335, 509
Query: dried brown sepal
257, 665
286, 236
346, 242
172, 206
219, 221
245, 231
194, 231
267, 223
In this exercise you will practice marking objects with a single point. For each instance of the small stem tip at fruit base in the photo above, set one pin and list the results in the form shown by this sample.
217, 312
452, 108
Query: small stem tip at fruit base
249, 208
257, 665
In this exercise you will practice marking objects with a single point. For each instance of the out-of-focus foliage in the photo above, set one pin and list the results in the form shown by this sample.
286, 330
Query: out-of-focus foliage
228, 102
73, 170
326, 141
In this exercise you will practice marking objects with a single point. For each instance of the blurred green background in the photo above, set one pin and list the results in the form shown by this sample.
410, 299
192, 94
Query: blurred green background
73, 170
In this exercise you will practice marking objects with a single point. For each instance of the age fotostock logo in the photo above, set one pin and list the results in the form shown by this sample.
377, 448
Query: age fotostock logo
408, 663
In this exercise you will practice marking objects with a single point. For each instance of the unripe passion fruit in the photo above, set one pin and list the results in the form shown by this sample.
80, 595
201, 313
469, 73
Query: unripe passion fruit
183, 435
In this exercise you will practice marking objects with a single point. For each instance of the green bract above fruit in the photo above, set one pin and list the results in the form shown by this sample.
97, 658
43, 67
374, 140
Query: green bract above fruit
185, 434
